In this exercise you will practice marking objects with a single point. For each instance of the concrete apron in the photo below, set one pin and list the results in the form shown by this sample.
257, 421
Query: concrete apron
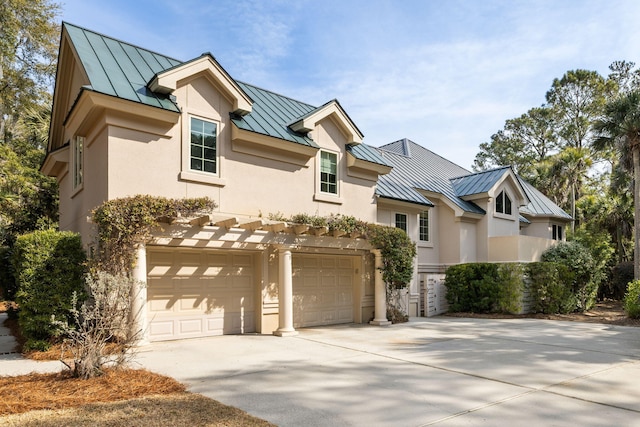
437, 371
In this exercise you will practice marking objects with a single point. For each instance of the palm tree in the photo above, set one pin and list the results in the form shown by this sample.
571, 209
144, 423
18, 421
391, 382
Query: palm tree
619, 128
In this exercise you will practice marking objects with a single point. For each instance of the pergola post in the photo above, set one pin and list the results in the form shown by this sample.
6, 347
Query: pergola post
380, 314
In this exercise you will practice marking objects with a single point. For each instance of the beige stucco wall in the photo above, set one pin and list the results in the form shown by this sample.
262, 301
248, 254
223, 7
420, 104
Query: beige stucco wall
517, 248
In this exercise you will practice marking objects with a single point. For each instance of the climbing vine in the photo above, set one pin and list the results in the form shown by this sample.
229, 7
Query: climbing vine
396, 248
123, 223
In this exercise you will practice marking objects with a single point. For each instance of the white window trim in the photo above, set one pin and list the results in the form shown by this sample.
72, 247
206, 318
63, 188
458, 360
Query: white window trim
320, 195
77, 164
188, 174
426, 243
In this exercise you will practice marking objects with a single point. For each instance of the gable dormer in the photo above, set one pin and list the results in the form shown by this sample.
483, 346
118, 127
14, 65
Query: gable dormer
491, 184
336, 113
206, 65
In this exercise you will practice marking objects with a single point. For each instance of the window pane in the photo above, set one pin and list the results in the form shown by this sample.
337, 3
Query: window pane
210, 141
196, 138
209, 154
208, 128
499, 203
559, 232
196, 151
209, 167
507, 204
196, 164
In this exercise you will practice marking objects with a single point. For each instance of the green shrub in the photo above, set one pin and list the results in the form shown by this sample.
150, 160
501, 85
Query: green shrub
578, 259
484, 287
621, 275
511, 283
49, 268
632, 300
550, 287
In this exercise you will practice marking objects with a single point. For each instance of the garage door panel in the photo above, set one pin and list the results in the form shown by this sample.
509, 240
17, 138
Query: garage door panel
323, 290
194, 293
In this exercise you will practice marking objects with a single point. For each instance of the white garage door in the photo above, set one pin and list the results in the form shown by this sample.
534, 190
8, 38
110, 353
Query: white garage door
322, 290
197, 293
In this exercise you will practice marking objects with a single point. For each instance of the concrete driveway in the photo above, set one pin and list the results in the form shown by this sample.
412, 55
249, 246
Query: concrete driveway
441, 371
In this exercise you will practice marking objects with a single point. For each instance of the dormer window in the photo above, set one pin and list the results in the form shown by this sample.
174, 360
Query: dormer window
503, 203
203, 146
328, 172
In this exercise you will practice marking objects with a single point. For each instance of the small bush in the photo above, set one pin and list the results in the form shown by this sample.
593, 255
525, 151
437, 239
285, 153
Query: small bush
632, 300
550, 286
102, 319
578, 259
485, 287
621, 276
48, 267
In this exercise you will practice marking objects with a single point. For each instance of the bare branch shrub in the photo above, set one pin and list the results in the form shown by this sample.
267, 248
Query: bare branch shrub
101, 336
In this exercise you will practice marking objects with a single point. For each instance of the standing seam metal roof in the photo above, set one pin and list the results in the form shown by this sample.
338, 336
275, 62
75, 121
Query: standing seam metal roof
123, 70
478, 183
120, 69
417, 168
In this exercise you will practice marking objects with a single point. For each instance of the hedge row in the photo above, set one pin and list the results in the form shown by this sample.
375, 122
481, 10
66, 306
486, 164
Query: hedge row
500, 288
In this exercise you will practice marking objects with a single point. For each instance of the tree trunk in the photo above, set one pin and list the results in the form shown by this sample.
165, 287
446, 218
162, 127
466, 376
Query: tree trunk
636, 211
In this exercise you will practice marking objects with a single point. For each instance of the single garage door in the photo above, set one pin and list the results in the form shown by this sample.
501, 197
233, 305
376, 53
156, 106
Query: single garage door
322, 290
196, 293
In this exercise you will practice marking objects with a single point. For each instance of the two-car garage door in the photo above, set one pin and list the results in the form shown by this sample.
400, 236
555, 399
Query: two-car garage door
196, 293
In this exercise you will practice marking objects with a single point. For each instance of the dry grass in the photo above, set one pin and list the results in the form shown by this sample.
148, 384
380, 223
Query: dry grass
55, 391
183, 409
118, 398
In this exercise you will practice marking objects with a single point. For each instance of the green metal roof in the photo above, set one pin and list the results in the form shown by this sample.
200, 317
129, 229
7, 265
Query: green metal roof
271, 114
416, 168
367, 153
123, 70
540, 205
120, 69
478, 183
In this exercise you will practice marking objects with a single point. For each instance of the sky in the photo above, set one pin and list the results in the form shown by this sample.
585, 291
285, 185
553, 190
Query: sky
444, 74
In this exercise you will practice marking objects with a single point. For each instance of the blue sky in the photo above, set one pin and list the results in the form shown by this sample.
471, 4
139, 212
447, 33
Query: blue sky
445, 74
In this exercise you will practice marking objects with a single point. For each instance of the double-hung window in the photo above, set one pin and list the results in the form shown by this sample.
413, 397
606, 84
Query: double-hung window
78, 161
401, 221
424, 226
503, 203
328, 172
203, 156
